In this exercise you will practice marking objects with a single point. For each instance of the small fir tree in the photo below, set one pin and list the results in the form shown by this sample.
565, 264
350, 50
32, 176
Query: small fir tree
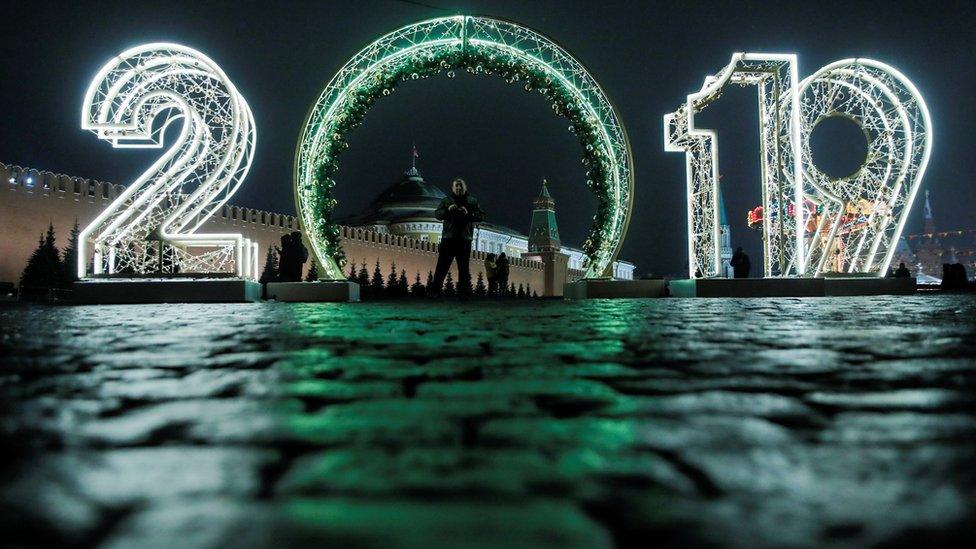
313, 273
528, 290
479, 289
376, 283
449, 289
392, 282
417, 289
352, 272
363, 280
69, 258
511, 290
403, 287
521, 291
270, 272
534, 294
430, 281
44, 268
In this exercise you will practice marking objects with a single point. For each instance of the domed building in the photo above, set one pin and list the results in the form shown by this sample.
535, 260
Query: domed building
406, 209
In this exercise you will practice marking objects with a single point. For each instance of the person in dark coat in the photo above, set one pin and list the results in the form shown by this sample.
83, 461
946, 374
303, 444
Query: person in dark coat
292, 257
902, 271
459, 213
491, 272
501, 271
740, 264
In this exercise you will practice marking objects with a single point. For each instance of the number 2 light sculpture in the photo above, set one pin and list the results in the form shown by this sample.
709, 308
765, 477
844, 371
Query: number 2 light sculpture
152, 226
812, 223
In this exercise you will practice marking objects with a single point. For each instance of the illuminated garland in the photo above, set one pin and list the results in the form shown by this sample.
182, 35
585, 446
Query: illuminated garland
576, 97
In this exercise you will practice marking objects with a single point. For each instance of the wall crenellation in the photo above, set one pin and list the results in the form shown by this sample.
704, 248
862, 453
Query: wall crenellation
358, 234
45, 182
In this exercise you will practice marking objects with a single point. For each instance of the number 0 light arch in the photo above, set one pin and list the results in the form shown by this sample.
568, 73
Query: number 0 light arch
483, 46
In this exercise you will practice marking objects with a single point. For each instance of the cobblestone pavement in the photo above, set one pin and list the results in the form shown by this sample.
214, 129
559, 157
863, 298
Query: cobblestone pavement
780, 422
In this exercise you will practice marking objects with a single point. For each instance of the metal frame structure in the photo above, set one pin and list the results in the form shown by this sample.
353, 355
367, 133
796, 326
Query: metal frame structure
877, 198
131, 103
807, 214
473, 36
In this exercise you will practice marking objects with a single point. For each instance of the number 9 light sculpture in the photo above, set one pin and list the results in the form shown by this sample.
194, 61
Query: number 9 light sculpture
152, 226
812, 223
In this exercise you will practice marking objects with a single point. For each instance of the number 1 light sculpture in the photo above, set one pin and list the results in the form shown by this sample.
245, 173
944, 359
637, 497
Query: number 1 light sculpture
812, 222
131, 103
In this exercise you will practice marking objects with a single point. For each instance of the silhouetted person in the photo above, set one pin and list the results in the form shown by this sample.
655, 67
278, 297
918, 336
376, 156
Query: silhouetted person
954, 276
491, 273
502, 273
292, 257
902, 271
740, 264
459, 212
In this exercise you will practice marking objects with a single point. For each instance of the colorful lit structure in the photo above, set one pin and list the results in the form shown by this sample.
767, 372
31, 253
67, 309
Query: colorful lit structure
151, 227
479, 45
847, 224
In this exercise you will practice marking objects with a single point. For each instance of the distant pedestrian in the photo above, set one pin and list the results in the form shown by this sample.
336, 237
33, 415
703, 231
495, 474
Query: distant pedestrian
954, 276
459, 212
491, 273
740, 264
502, 266
902, 271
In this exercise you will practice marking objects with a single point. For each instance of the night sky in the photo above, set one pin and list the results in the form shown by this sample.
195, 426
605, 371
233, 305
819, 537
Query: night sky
501, 139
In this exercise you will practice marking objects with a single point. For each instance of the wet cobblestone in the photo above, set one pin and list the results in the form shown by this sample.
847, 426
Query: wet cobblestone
780, 422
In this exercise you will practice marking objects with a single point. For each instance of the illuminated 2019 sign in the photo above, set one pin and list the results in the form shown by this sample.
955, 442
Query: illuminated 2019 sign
812, 223
151, 227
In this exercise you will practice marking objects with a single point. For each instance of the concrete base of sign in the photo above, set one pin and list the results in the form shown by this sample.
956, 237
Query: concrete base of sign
609, 289
869, 286
341, 291
790, 287
163, 290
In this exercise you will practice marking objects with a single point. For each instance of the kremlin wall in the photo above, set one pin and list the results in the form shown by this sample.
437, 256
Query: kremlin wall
30, 199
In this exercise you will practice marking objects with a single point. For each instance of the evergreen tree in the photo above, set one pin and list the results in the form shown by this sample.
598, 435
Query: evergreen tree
403, 287
417, 289
511, 290
352, 272
449, 289
392, 282
363, 280
534, 294
270, 272
44, 267
430, 281
521, 291
528, 290
313, 273
376, 284
69, 258
479, 289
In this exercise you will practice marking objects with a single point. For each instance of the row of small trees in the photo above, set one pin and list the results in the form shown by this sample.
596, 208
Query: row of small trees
49, 267
397, 286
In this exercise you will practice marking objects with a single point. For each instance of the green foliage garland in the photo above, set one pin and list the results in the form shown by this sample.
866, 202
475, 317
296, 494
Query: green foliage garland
382, 82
